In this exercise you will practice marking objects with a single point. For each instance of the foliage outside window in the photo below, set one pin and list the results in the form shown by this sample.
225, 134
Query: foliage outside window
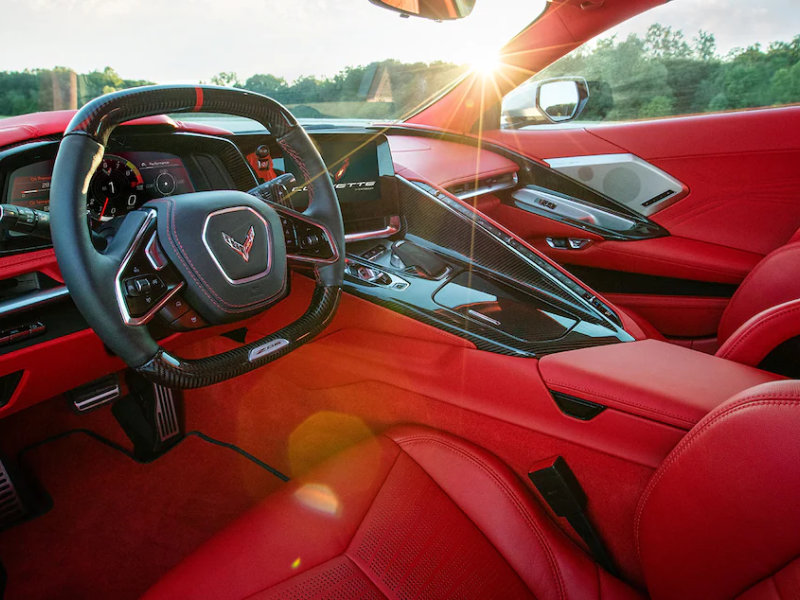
664, 74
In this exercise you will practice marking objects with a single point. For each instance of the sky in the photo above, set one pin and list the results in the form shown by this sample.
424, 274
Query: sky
186, 41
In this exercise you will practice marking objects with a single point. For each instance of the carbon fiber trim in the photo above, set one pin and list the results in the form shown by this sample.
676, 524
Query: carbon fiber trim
173, 372
473, 239
98, 118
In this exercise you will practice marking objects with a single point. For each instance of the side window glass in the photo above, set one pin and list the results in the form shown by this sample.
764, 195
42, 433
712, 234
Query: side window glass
663, 71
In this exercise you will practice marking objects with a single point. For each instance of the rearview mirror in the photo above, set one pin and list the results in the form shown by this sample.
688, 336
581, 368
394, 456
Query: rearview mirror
437, 10
547, 101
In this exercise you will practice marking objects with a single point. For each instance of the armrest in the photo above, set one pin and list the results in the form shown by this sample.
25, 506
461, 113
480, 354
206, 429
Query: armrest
651, 379
762, 333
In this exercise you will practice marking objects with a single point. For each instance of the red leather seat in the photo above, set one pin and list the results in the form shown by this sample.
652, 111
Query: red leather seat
762, 314
417, 513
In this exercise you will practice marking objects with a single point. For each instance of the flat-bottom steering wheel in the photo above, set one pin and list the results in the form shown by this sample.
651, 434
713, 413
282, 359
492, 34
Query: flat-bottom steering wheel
222, 252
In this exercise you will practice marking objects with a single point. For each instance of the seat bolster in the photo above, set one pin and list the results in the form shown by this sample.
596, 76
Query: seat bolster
721, 513
783, 584
308, 523
497, 502
762, 333
772, 281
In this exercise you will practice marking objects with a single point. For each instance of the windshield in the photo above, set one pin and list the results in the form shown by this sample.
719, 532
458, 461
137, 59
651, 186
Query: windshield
323, 59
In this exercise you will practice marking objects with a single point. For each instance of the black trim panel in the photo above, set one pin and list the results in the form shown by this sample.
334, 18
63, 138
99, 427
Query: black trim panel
623, 282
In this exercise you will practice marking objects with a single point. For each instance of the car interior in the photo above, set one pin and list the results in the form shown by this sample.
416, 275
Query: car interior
432, 358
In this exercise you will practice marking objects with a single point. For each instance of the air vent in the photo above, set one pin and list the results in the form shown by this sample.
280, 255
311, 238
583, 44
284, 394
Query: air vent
486, 185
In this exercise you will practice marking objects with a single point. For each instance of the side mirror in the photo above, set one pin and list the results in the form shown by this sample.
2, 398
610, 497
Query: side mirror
437, 10
547, 101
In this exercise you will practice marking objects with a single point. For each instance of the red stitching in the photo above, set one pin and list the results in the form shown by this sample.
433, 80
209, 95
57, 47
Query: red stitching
571, 387
751, 330
287, 148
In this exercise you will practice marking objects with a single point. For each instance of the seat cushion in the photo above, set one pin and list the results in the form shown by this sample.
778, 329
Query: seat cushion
412, 513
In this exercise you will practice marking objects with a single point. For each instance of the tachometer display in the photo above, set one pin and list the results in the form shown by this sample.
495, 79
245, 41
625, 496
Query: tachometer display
114, 189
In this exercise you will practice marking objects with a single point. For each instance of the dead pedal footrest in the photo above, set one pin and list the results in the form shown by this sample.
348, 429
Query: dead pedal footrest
12, 507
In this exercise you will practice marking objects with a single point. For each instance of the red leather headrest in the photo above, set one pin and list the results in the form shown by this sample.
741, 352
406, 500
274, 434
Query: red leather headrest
723, 511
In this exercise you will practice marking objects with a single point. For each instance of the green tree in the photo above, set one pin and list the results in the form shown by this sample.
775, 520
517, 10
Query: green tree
269, 85
227, 79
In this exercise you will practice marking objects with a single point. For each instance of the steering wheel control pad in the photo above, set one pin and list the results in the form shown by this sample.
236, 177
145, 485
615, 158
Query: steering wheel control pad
229, 248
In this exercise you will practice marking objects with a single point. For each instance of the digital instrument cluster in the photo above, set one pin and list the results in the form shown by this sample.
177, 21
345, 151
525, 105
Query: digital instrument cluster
122, 183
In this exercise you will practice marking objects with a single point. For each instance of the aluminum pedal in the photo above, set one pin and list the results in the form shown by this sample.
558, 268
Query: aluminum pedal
95, 394
167, 423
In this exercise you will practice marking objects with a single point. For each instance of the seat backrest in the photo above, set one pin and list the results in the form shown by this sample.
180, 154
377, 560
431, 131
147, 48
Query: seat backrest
721, 516
773, 281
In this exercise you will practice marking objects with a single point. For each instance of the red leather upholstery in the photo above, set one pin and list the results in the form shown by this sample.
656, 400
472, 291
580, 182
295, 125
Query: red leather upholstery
656, 380
720, 517
410, 514
773, 281
765, 310
762, 333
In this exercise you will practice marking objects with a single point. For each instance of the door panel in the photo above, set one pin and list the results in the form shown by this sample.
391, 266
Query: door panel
741, 173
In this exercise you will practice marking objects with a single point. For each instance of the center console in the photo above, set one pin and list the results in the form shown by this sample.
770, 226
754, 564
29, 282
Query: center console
452, 269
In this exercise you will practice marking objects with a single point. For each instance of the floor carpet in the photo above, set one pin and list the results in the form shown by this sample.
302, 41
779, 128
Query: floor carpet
117, 525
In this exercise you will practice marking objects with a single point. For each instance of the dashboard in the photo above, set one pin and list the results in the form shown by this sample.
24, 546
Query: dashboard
412, 247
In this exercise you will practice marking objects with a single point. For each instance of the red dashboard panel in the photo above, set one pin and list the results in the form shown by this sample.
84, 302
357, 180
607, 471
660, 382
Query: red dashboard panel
23, 128
446, 163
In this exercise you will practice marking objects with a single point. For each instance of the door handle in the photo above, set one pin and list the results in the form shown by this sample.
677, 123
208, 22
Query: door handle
569, 243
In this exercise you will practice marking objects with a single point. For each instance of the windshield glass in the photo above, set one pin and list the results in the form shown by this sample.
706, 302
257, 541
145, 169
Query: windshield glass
323, 59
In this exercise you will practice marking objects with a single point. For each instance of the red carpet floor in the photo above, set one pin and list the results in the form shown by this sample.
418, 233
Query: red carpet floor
116, 525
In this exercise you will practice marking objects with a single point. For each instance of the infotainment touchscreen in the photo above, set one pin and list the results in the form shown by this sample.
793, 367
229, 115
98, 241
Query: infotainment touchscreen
356, 164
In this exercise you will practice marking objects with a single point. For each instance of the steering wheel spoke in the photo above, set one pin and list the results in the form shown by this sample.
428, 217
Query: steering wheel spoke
145, 281
307, 239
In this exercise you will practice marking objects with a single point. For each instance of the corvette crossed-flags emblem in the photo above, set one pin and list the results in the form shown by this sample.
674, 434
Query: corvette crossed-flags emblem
242, 249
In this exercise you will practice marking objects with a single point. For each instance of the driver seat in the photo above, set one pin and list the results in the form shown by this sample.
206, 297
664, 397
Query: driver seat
418, 513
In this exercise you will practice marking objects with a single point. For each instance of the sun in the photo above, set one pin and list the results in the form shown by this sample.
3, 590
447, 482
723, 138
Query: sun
485, 64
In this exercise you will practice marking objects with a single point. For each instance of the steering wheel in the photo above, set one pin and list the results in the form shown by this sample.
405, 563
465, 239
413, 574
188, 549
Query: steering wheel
223, 253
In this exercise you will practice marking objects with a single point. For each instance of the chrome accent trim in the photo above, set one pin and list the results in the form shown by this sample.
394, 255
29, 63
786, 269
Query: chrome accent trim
153, 254
123, 308
546, 203
214, 258
388, 231
483, 317
32, 300
266, 349
496, 187
170, 359
652, 180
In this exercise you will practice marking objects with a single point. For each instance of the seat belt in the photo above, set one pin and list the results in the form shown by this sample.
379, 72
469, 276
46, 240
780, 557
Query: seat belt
559, 487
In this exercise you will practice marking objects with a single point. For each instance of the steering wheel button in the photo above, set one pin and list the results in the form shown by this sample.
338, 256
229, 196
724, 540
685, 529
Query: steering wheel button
189, 320
174, 308
142, 285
